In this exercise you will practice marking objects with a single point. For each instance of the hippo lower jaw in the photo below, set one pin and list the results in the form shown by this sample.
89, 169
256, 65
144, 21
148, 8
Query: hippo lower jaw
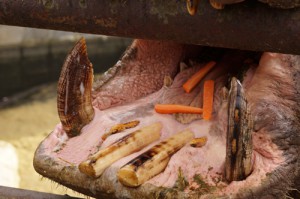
129, 90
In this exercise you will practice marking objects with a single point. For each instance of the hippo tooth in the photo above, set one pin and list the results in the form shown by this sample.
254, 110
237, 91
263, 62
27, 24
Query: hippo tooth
224, 94
153, 161
216, 5
238, 163
168, 81
95, 165
192, 6
74, 90
183, 66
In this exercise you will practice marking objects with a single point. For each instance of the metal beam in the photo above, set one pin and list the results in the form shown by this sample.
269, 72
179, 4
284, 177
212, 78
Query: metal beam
14, 193
249, 26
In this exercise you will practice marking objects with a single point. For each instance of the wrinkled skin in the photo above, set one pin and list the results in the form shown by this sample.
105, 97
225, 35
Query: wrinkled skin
275, 109
273, 92
285, 4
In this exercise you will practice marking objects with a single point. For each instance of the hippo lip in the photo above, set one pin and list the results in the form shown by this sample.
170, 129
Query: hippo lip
129, 90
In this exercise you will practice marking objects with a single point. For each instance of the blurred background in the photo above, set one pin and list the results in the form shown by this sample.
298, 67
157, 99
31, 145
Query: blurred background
30, 64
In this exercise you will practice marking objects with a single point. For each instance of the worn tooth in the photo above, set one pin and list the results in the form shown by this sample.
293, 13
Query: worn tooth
192, 6
224, 94
95, 165
192, 63
168, 81
153, 161
238, 163
216, 5
74, 90
182, 66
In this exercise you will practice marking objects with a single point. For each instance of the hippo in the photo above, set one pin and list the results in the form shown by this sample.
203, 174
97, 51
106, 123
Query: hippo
113, 142
252, 136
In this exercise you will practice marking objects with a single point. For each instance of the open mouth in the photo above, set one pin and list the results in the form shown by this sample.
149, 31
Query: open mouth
249, 149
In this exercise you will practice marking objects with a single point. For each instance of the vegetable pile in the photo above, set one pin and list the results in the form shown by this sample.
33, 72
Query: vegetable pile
188, 86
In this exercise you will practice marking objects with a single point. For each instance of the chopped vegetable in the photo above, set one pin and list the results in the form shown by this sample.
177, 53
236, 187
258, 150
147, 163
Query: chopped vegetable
95, 164
208, 97
154, 161
198, 142
196, 78
176, 108
120, 127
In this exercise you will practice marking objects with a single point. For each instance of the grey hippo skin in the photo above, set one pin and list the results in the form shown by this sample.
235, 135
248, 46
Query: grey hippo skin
284, 4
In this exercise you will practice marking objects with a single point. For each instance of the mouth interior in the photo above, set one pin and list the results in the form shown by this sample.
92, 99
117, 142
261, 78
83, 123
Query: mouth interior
129, 92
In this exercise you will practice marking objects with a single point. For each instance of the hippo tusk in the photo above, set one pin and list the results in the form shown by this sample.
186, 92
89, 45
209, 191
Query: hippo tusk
238, 163
74, 103
192, 6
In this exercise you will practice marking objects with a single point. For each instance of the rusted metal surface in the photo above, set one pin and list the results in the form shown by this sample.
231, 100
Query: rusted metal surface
250, 25
13, 193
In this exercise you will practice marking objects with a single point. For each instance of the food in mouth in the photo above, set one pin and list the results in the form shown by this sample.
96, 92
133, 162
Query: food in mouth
98, 162
153, 161
251, 134
120, 127
198, 142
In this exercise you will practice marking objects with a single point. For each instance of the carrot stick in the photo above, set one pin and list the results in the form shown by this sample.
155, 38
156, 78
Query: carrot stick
176, 108
196, 78
208, 98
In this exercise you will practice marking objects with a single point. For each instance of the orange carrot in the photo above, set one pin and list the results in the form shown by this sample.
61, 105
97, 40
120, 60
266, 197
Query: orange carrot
208, 99
176, 108
196, 78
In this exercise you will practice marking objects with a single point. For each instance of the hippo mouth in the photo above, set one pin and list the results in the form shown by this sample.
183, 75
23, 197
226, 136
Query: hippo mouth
262, 107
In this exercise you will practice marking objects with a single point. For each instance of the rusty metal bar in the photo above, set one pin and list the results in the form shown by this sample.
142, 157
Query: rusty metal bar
14, 193
249, 26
